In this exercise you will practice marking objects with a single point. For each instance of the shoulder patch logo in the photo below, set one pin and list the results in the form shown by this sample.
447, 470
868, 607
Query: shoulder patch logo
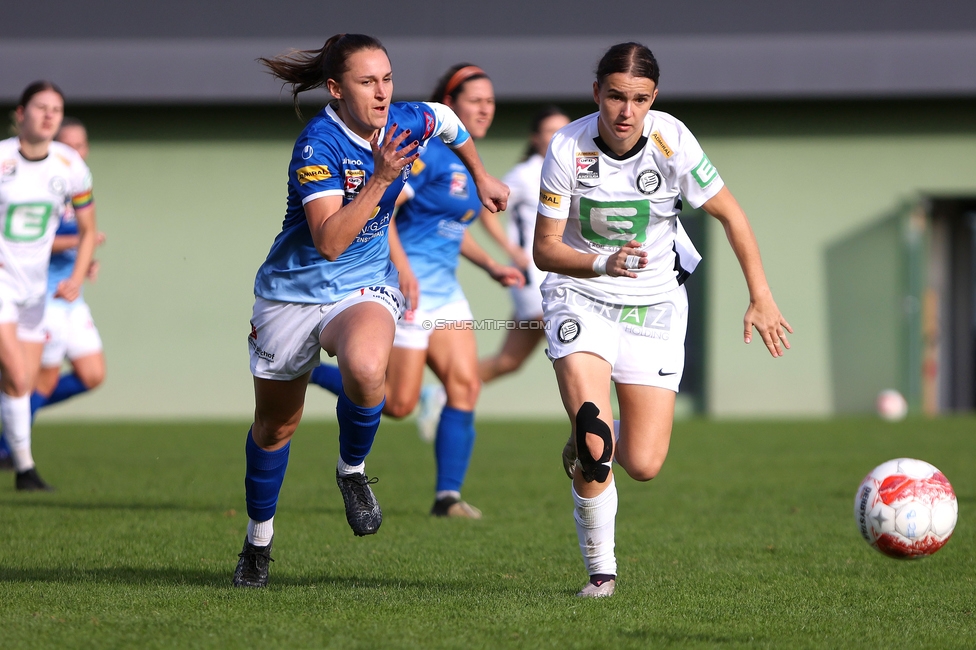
705, 172
312, 173
550, 199
429, 124
587, 165
648, 181
661, 144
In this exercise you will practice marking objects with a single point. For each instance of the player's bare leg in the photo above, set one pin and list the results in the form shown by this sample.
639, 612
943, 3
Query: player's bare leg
584, 385
453, 356
646, 417
19, 363
404, 377
518, 345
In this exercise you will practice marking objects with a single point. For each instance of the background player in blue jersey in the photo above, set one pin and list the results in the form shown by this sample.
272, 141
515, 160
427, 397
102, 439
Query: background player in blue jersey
328, 282
430, 233
68, 326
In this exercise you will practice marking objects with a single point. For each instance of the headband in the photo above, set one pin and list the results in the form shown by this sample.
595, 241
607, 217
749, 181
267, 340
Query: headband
461, 76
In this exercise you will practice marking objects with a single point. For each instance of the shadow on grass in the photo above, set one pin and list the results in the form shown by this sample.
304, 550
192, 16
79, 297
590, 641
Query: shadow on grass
180, 577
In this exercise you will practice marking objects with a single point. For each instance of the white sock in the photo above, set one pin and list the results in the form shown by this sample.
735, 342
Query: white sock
594, 526
16, 419
443, 494
345, 469
259, 533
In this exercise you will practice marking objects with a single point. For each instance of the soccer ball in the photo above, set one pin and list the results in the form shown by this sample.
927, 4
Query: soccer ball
905, 508
891, 405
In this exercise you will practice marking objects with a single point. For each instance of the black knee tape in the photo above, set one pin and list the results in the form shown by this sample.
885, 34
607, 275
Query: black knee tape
587, 421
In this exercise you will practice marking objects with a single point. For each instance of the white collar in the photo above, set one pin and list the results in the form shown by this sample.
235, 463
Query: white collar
352, 136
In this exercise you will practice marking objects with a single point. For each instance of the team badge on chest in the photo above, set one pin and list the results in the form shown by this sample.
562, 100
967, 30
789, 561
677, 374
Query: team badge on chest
459, 185
648, 181
587, 166
354, 182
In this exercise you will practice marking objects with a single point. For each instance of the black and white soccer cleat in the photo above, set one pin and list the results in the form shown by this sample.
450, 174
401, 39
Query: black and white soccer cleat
362, 511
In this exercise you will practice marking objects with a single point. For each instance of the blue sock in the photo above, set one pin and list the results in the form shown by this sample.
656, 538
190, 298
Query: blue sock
328, 377
263, 478
357, 428
4, 447
68, 386
453, 447
37, 402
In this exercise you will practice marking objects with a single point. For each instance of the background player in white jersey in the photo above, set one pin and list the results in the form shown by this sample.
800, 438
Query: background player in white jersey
523, 182
70, 332
328, 282
612, 186
37, 178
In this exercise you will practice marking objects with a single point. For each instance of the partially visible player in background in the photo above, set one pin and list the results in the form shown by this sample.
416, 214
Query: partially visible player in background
328, 282
429, 235
523, 182
37, 178
615, 306
68, 326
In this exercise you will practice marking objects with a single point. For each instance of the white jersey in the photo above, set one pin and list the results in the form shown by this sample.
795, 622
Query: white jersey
610, 200
33, 195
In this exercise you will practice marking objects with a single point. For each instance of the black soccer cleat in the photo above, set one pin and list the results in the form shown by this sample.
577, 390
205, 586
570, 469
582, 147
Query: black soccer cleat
252, 568
362, 511
31, 481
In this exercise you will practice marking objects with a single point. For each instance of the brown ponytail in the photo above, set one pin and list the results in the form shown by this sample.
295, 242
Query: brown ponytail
309, 69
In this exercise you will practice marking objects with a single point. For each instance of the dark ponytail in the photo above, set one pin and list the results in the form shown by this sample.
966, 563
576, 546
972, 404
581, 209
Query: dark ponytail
309, 69
541, 116
631, 58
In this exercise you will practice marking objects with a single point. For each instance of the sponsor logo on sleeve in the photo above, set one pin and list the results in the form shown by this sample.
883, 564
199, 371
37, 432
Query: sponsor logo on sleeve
417, 167
312, 173
550, 199
661, 144
307, 152
705, 172
429, 124
587, 165
468, 216
355, 178
648, 181
459, 185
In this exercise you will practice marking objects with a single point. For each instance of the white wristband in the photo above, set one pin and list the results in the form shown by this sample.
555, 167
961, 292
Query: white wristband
600, 264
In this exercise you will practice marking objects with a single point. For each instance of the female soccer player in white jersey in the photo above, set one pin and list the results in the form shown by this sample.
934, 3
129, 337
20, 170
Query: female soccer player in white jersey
523, 182
328, 282
612, 183
37, 178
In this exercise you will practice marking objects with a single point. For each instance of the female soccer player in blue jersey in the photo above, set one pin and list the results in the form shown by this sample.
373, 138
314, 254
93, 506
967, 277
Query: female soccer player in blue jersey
328, 282
429, 235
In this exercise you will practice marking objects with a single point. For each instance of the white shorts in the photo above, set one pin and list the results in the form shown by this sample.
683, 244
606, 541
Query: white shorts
68, 332
284, 338
644, 345
528, 299
414, 330
28, 314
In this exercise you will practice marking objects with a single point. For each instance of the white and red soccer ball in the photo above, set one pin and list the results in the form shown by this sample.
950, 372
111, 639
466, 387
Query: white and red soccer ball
905, 508
891, 405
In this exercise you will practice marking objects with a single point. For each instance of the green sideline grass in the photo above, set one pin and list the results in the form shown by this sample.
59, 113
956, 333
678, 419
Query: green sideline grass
746, 539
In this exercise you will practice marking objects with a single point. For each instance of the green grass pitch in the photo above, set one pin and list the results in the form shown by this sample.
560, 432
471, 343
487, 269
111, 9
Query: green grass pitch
746, 539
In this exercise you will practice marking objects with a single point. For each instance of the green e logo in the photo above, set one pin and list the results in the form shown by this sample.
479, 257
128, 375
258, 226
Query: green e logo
26, 221
614, 223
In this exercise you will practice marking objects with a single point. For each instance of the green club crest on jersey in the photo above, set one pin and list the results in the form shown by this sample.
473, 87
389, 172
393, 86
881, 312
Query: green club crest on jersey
705, 172
614, 223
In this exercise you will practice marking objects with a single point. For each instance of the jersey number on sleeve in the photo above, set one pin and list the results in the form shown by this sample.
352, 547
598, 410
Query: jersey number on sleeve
26, 222
614, 223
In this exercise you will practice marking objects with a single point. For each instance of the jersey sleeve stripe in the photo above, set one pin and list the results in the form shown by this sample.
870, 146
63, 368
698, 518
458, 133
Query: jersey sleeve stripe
319, 195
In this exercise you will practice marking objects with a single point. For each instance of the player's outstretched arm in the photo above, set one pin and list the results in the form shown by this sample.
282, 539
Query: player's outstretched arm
70, 288
763, 314
507, 276
552, 254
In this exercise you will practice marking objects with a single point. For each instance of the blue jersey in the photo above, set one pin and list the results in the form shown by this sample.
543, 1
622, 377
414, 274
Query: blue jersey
432, 223
331, 160
63, 263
